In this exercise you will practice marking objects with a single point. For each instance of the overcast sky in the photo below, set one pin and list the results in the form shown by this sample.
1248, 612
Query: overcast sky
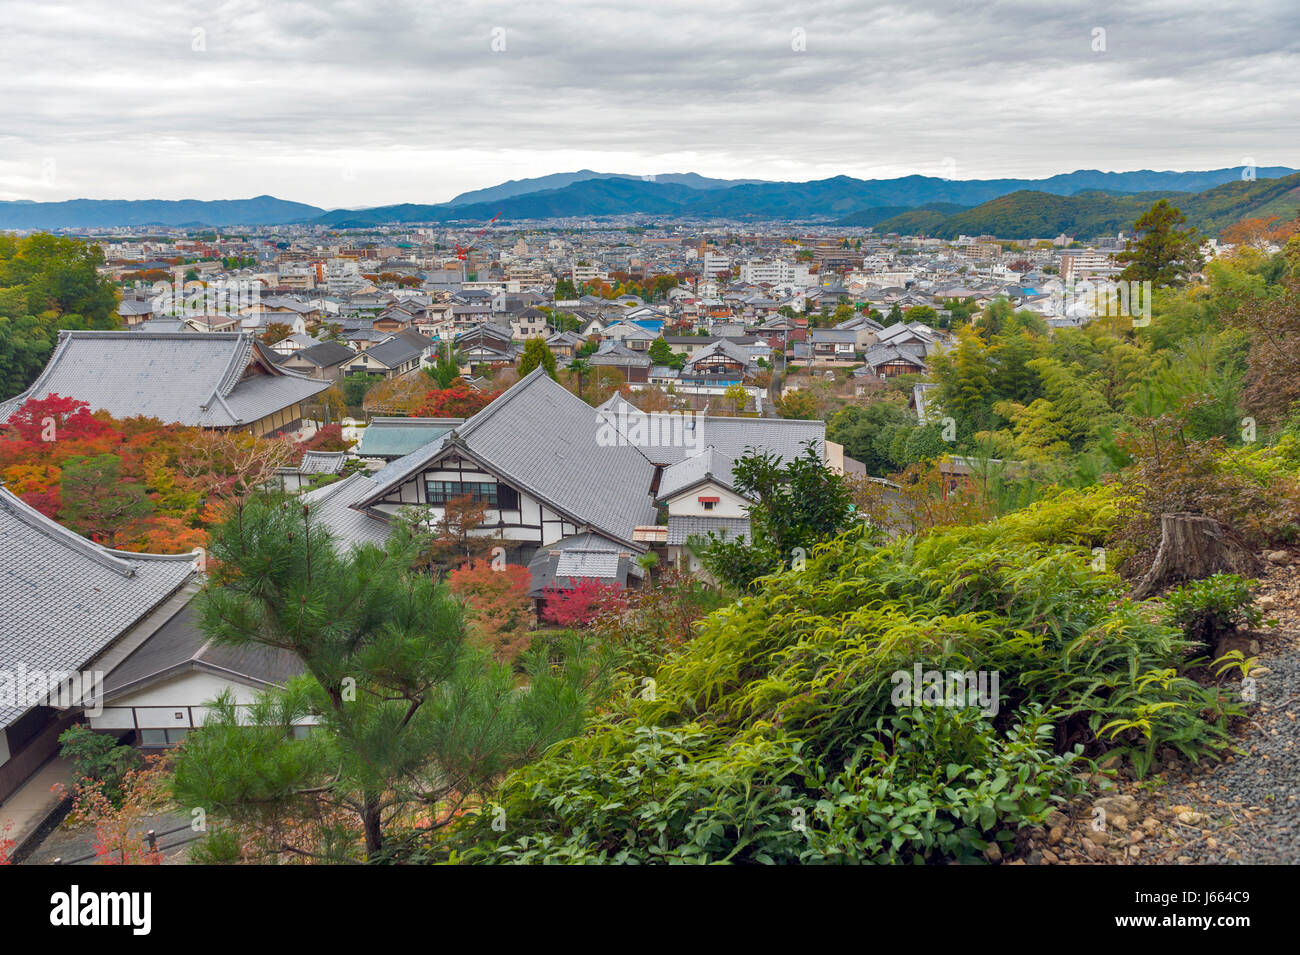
365, 102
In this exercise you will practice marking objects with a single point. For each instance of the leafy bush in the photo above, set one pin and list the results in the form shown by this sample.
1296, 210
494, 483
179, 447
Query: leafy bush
98, 758
1208, 609
656, 620
783, 704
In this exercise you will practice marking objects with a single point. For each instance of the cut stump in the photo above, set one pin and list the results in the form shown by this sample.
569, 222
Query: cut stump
1193, 547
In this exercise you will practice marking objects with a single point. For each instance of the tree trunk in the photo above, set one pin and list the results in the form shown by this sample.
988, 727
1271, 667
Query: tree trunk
370, 820
1192, 547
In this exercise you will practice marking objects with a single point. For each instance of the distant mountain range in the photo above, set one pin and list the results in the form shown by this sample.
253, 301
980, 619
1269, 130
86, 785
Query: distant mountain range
1087, 201
105, 213
1029, 214
521, 187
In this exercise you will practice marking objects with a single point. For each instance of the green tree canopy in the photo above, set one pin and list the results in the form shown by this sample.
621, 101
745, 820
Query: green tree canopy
537, 354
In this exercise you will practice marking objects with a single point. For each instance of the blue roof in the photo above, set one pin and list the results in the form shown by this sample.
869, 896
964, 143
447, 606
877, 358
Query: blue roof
398, 437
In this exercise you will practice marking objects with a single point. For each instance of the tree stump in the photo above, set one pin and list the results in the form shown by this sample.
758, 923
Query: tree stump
1192, 547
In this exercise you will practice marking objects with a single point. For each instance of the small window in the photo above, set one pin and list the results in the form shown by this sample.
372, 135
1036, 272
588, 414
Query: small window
709, 505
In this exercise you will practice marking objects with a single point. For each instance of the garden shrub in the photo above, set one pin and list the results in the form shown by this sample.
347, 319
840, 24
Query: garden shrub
781, 709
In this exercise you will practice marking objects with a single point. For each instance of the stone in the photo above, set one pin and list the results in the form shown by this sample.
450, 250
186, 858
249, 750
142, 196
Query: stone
993, 854
1190, 818
1056, 835
1123, 805
1134, 851
1266, 603
1277, 557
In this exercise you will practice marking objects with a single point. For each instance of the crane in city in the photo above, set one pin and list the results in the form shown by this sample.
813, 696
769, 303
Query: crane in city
463, 251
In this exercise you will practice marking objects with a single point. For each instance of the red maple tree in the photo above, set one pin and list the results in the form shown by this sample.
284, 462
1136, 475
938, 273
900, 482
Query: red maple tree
581, 602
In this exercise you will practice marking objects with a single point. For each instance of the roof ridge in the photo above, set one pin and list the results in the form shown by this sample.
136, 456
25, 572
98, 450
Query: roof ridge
62, 535
235, 367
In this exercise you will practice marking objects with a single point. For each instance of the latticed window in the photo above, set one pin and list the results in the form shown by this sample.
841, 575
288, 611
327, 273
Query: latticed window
485, 492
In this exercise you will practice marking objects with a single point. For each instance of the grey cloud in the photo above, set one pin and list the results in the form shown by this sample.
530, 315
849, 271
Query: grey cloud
412, 97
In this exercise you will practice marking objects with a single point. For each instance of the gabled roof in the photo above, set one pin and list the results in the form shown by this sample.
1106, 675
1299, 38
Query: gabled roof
326, 354
545, 441
65, 599
707, 465
180, 646
725, 347
208, 379
581, 557
400, 348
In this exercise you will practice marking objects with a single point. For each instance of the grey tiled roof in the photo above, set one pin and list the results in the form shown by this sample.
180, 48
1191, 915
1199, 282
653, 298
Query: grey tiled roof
579, 557
545, 441
194, 378
682, 528
731, 437
401, 348
585, 563
615, 353
180, 645
322, 462
326, 354
64, 599
708, 464
331, 505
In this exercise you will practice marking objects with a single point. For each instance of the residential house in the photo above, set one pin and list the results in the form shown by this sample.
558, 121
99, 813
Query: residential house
833, 344
396, 355
324, 361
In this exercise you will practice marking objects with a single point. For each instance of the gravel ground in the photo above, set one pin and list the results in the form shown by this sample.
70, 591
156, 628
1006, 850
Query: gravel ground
1244, 810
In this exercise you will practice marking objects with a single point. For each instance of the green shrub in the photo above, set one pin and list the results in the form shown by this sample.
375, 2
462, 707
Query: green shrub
1208, 609
98, 758
782, 706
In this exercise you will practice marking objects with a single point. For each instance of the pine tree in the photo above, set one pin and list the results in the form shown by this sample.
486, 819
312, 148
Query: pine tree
412, 721
1162, 253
